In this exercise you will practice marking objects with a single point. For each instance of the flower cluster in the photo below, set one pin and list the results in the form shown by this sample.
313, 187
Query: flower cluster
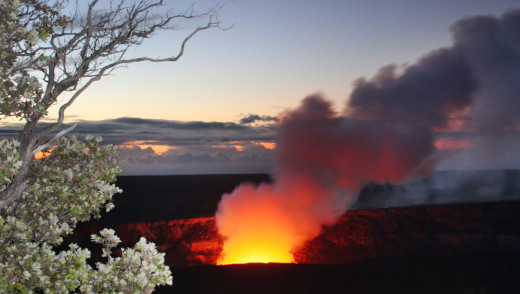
71, 184
24, 24
138, 270
9, 161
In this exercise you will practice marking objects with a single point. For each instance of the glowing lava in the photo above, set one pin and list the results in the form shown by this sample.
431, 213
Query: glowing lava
258, 230
263, 249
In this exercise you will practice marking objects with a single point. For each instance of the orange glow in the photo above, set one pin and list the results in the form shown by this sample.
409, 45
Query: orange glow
256, 249
42, 154
239, 148
156, 148
453, 144
267, 145
256, 229
457, 121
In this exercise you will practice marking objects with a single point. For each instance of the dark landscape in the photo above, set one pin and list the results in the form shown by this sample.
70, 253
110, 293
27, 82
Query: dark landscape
463, 247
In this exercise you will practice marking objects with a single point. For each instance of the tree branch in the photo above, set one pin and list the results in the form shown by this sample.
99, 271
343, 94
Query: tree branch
89, 52
56, 137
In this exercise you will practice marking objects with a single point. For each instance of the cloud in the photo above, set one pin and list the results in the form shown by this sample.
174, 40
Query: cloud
252, 118
198, 160
150, 146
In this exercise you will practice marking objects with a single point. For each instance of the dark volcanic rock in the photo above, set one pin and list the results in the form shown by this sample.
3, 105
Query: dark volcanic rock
485, 228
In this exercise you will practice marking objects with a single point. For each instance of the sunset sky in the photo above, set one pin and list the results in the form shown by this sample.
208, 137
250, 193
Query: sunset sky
277, 53
191, 116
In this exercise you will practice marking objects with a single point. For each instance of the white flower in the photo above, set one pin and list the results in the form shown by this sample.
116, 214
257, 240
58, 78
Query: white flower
103, 268
69, 174
26, 274
109, 206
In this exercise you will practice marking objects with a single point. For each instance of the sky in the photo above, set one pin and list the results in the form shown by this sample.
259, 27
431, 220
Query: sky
216, 110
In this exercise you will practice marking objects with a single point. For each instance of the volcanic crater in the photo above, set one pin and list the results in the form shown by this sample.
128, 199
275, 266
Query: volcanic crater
479, 243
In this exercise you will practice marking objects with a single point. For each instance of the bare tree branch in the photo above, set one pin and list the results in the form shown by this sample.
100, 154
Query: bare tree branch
56, 137
86, 49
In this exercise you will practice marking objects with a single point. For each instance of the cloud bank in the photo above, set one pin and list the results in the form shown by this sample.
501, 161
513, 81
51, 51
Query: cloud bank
164, 147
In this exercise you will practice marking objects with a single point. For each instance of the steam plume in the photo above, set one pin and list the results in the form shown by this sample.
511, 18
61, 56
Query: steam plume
386, 134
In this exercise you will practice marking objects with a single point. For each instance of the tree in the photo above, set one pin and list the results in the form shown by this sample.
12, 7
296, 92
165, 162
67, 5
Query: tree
46, 54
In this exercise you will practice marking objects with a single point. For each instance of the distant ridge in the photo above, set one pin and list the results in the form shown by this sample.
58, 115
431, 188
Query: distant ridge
157, 198
172, 197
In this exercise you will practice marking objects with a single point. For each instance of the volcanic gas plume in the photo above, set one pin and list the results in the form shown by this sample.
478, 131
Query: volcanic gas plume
386, 133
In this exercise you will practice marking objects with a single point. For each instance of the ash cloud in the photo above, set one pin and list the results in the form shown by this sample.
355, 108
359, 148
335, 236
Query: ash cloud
345, 152
387, 130
492, 47
482, 79
478, 75
423, 95
386, 135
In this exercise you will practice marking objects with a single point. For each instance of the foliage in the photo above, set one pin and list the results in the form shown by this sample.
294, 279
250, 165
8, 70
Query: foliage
71, 184
24, 24
44, 54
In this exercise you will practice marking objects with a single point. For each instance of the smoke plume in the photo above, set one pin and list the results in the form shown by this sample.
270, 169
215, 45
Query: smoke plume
386, 134
492, 47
